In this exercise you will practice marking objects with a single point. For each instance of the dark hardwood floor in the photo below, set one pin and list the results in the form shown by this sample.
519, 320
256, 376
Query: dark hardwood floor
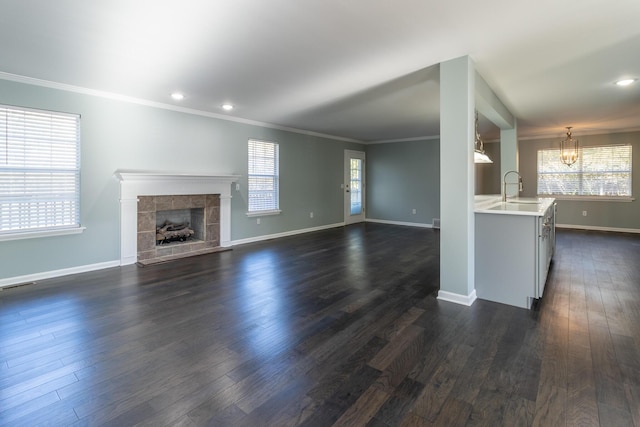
339, 327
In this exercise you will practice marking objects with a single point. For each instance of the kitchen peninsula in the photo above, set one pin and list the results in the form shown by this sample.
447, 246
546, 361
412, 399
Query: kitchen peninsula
514, 244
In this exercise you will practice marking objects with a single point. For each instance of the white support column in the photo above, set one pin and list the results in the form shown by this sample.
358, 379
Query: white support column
457, 175
128, 228
225, 218
508, 149
488, 103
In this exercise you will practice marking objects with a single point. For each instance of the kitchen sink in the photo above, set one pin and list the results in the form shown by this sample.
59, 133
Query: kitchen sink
523, 201
515, 207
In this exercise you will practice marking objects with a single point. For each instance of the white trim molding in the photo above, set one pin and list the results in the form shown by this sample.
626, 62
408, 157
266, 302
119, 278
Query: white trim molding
285, 234
467, 300
42, 233
264, 213
414, 138
138, 183
407, 224
12, 281
617, 199
140, 101
598, 228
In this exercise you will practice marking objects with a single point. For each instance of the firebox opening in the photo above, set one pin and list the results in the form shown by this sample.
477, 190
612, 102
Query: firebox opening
181, 225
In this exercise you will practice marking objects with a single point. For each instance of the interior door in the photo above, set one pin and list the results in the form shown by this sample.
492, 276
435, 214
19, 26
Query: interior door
354, 186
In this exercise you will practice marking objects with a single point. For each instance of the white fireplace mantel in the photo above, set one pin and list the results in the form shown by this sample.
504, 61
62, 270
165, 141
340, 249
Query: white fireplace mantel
134, 184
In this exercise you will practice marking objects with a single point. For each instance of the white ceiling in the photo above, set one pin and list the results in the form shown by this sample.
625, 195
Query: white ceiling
360, 69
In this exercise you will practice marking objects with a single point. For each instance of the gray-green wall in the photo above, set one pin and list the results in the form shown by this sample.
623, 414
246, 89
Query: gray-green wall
122, 135
402, 176
600, 214
405, 175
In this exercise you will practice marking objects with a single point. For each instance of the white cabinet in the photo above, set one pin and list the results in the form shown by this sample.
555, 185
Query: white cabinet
513, 251
546, 247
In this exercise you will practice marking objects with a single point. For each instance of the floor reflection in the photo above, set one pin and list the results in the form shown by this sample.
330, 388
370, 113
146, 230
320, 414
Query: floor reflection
53, 326
262, 297
356, 265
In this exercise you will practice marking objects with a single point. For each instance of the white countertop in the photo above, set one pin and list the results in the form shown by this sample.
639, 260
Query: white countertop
493, 204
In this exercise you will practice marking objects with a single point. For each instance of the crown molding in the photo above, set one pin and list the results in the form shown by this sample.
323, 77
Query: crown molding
145, 102
415, 138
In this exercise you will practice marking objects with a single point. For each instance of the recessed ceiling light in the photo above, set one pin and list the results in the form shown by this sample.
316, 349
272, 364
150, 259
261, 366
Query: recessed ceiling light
177, 96
227, 107
625, 82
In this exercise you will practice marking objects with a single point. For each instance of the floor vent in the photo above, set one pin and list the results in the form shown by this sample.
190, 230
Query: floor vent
436, 223
17, 285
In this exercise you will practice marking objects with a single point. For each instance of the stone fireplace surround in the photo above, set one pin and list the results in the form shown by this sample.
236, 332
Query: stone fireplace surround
150, 207
134, 184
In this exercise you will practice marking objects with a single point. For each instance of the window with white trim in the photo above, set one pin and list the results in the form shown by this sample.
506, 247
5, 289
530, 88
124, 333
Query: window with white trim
39, 171
263, 177
601, 171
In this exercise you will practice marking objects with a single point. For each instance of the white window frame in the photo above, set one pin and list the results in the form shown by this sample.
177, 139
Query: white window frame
580, 169
263, 165
39, 173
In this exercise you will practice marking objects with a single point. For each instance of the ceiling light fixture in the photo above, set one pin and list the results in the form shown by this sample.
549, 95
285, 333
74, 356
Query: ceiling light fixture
569, 149
227, 107
625, 82
177, 96
479, 156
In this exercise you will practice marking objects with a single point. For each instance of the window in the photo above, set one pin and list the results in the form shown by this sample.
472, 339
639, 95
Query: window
39, 172
355, 168
603, 171
263, 177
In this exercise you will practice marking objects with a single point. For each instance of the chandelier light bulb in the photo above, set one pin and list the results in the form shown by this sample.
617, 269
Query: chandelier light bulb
569, 149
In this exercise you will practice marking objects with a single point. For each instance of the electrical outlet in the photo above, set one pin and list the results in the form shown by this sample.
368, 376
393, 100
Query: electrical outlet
311, 215
413, 211
258, 221
237, 187
584, 213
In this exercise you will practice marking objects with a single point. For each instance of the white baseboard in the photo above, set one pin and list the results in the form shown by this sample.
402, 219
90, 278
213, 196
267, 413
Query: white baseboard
597, 228
458, 298
408, 224
10, 281
284, 234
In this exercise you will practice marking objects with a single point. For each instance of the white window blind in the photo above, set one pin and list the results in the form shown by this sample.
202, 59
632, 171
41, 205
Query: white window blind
39, 170
263, 176
600, 171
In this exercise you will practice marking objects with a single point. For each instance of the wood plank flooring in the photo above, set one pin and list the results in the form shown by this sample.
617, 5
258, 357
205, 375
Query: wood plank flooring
340, 327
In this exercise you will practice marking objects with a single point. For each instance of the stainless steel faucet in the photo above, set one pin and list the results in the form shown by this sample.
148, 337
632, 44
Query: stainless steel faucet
504, 184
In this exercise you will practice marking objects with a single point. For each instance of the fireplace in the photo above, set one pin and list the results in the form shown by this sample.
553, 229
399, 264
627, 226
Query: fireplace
158, 241
143, 194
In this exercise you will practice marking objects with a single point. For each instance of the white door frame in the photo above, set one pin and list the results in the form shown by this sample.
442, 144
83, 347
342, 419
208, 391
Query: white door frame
348, 217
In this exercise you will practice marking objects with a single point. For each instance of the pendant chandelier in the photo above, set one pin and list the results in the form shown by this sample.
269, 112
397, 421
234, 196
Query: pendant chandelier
569, 149
479, 156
